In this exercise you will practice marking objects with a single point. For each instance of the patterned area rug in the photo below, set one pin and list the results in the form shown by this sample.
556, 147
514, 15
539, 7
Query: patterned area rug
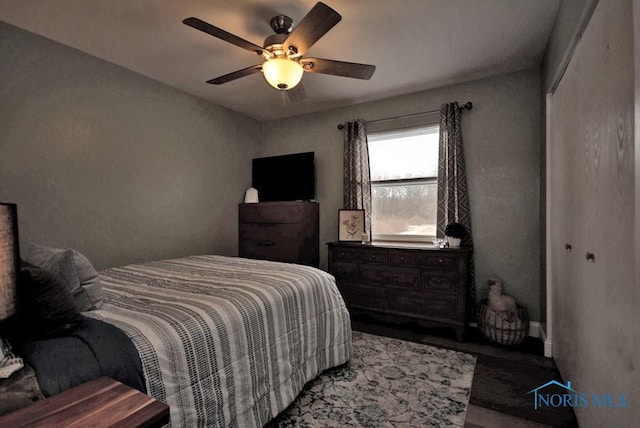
388, 383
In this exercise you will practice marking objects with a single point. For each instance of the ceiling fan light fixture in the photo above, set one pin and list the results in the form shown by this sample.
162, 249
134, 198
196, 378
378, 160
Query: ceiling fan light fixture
282, 73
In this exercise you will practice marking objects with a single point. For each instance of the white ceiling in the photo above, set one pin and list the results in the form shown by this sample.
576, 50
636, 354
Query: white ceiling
415, 44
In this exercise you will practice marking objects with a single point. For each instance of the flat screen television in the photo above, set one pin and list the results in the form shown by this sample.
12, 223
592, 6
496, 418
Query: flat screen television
285, 178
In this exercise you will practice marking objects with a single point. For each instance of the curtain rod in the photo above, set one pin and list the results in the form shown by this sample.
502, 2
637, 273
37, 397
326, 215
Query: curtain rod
466, 106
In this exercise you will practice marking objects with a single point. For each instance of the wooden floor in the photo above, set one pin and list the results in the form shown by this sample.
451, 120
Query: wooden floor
501, 372
481, 417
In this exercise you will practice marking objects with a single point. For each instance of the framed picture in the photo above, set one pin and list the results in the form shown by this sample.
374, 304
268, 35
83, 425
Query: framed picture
350, 225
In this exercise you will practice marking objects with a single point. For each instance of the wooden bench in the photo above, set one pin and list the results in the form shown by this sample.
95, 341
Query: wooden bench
103, 402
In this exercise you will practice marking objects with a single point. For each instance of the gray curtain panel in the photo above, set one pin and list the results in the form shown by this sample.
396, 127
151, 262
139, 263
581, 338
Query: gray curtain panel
453, 193
357, 178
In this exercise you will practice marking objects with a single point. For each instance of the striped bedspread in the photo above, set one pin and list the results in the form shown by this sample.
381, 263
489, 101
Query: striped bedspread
227, 341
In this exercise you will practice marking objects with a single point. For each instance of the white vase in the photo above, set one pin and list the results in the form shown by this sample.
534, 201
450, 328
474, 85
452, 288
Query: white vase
453, 242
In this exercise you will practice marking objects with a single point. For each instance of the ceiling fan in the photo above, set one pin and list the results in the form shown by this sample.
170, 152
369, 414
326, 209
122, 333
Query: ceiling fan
283, 51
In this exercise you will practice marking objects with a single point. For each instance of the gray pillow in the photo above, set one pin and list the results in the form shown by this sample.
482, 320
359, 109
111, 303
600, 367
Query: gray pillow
75, 269
46, 307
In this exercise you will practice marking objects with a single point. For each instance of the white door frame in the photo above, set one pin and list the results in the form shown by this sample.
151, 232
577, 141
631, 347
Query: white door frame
547, 334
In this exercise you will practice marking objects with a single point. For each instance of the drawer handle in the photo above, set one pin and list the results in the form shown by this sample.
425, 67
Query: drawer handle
440, 261
266, 243
401, 259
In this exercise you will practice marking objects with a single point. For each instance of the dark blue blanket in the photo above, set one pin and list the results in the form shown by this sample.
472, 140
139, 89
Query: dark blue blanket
93, 349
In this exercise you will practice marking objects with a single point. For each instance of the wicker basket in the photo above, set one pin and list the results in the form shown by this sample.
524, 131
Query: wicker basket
503, 327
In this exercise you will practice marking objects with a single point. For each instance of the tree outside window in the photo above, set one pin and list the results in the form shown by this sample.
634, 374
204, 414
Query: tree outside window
404, 183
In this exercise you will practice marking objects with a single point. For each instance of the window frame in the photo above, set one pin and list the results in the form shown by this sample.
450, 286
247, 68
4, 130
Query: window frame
429, 123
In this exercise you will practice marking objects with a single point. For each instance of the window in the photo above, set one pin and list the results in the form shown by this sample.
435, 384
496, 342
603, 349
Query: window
404, 183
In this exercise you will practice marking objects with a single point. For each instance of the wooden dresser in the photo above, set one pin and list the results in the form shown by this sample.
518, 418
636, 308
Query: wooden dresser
423, 283
280, 231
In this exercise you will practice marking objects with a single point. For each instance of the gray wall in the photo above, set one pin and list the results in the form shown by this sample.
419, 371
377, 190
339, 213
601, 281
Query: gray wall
502, 138
112, 163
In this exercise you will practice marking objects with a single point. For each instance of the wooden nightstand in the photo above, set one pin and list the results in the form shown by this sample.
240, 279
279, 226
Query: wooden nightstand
103, 402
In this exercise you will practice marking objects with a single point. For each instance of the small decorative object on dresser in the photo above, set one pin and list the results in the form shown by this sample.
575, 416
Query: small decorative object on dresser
454, 233
350, 225
422, 283
251, 196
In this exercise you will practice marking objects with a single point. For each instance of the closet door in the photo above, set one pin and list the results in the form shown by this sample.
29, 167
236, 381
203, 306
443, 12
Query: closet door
565, 209
591, 183
606, 89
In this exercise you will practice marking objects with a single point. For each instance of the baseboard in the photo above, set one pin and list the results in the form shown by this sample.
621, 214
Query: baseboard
534, 329
547, 343
543, 337
537, 331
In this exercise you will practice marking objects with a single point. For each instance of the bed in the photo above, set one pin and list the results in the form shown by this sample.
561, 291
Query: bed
226, 341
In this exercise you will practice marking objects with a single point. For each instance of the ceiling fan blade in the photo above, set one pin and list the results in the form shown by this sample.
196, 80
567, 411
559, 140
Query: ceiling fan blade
320, 19
236, 75
199, 24
297, 93
338, 68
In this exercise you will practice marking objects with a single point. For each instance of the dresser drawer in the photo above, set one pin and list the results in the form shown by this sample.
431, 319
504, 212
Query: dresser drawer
390, 277
403, 258
426, 305
345, 255
344, 270
362, 254
441, 281
264, 248
281, 212
363, 297
374, 256
439, 260
270, 231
